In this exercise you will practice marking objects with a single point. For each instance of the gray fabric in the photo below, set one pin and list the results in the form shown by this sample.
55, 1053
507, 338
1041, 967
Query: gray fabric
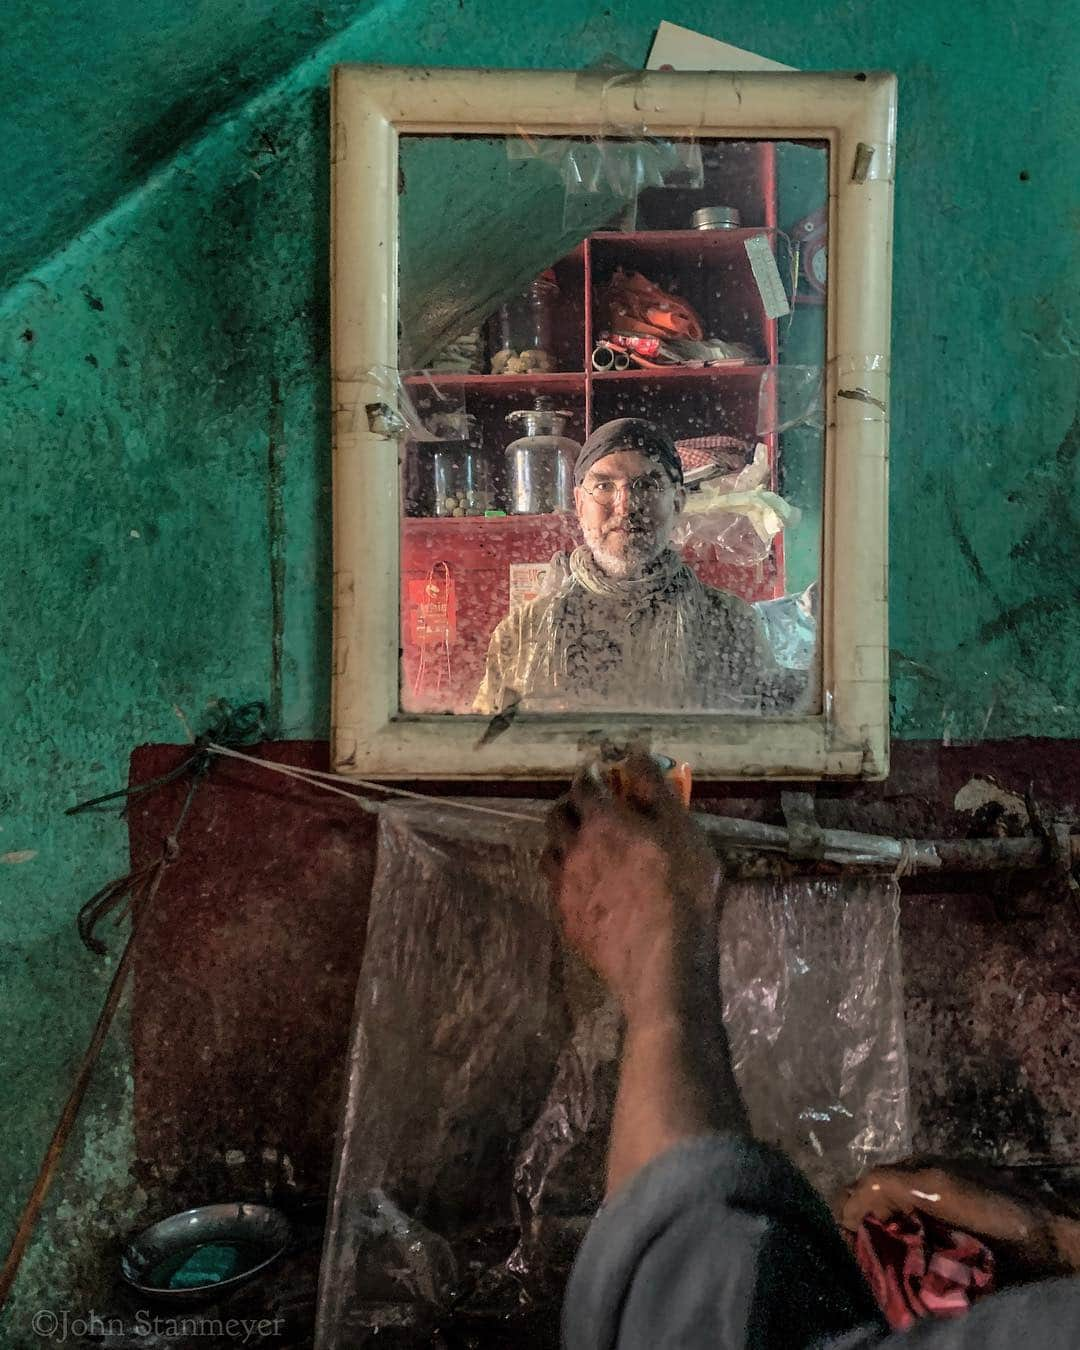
722, 1244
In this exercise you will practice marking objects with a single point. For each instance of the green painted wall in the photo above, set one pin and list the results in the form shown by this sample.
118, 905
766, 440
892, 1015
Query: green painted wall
164, 455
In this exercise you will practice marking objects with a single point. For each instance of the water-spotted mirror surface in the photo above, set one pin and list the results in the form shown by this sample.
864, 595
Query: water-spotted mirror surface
609, 399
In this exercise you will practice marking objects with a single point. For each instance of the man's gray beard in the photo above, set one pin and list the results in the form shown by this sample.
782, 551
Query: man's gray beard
632, 561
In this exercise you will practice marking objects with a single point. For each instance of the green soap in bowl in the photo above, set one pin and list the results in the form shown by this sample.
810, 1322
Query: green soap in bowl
203, 1252
209, 1263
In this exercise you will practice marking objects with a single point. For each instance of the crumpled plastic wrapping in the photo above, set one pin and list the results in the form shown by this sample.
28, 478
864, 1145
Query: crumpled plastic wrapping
791, 625
791, 396
396, 411
612, 165
484, 1061
737, 514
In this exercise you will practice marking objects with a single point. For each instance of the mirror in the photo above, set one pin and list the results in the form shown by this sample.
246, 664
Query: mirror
522, 259
610, 406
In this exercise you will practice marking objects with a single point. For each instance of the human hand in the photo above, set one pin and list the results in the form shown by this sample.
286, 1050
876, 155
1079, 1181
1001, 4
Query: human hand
1003, 1216
628, 870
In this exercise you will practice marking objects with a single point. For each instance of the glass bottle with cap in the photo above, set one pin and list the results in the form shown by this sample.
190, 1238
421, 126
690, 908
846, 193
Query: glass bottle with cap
540, 464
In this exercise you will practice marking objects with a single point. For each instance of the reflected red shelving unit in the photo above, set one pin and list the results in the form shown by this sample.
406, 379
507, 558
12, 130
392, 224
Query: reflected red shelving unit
708, 268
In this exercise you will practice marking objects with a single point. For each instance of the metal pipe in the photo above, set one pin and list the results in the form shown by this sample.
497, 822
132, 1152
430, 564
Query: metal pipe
853, 848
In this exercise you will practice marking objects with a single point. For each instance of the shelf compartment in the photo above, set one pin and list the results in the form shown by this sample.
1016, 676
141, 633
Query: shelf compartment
741, 370
488, 399
556, 381
718, 282
677, 241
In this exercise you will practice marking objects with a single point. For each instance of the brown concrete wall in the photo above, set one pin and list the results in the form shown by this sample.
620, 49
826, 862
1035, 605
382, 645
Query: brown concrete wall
245, 972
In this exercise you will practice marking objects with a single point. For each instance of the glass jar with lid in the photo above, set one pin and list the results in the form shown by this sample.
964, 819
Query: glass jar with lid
540, 464
522, 331
458, 476
460, 480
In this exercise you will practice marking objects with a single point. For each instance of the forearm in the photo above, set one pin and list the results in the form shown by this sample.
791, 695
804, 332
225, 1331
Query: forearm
666, 1095
675, 1080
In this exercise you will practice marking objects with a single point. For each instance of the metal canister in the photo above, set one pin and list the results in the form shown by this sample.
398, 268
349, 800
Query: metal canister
716, 218
540, 464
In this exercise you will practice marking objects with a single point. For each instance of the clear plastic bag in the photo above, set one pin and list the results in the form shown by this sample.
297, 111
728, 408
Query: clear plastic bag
736, 514
791, 623
484, 1060
813, 1003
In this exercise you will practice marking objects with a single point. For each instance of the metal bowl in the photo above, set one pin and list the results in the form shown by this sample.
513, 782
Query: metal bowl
258, 1232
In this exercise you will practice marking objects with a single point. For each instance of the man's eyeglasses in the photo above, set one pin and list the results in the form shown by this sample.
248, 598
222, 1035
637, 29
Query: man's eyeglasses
606, 490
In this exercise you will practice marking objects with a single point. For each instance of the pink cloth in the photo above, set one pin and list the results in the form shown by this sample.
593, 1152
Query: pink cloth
919, 1267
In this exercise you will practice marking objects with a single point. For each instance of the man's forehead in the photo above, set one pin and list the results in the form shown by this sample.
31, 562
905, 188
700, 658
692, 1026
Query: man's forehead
625, 464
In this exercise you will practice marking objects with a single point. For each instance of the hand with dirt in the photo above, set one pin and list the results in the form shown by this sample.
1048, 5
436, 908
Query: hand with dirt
631, 872
636, 885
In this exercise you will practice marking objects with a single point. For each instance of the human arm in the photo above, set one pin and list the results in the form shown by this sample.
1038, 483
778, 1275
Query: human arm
636, 883
1033, 1240
707, 1238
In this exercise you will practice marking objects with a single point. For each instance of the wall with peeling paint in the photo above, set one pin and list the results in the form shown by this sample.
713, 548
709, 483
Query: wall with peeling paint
164, 458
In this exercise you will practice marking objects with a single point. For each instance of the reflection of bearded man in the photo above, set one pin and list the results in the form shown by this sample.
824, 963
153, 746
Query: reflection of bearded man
630, 627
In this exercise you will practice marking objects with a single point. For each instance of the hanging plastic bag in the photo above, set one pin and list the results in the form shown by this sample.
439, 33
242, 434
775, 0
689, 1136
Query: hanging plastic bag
484, 1061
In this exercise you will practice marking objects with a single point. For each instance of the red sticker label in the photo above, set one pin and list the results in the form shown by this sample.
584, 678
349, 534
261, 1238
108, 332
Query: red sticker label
431, 611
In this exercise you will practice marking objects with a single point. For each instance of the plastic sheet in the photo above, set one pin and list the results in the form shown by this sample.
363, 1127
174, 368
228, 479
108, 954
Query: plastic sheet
813, 1003
484, 1062
736, 514
613, 165
396, 413
791, 625
790, 396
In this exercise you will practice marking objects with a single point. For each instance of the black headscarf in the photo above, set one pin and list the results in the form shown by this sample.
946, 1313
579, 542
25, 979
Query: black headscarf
629, 433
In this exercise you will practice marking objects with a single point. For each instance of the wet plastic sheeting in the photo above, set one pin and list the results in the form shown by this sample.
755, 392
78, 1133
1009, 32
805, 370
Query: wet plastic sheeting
484, 1061
475, 228
813, 1003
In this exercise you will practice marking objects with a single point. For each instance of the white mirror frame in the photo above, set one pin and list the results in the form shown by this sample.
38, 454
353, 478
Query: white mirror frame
856, 114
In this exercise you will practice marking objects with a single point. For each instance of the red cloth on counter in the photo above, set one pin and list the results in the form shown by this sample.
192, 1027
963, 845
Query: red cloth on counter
919, 1267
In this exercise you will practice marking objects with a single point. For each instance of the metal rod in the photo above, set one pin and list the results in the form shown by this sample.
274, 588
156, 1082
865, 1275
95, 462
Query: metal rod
51, 1162
853, 848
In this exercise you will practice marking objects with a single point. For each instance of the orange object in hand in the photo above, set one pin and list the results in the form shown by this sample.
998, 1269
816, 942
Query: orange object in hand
678, 776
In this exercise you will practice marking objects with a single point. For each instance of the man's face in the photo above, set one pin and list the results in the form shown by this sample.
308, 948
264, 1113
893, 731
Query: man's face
627, 504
